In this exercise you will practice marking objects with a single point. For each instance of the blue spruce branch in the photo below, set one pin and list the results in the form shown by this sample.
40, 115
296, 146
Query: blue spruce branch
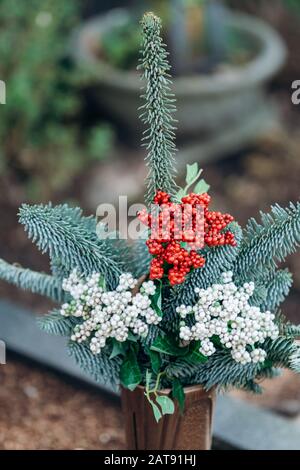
69, 242
291, 330
220, 370
158, 110
38, 283
100, 366
141, 258
273, 240
295, 361
277, 289
280, 351
55, 324
272, 286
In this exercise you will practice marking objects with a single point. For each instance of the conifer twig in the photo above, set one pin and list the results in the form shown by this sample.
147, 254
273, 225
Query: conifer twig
157, 112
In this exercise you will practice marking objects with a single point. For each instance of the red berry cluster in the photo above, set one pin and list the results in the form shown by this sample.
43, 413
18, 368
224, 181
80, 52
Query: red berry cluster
175, 224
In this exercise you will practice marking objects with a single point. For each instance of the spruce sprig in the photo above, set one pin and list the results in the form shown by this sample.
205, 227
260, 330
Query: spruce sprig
158, 110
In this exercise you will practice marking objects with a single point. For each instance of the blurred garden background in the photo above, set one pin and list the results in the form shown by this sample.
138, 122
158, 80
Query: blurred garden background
69, 132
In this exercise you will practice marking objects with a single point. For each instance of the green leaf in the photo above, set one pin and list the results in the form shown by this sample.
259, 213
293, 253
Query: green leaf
156, 300
217, 342
130, 373
191, 173
201, 187
102, 283
131, 337
156, 411
178, 394
194, 356
118, 349
180, 194
166, 345
155, 360
166, 404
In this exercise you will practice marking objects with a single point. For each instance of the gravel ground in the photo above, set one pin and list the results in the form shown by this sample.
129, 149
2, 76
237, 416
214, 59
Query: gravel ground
41, 410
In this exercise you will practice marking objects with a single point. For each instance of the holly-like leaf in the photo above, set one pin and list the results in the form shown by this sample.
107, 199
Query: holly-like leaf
156, 299
166, 345
217, 342
131, 337
180, 194
178, 394
118, 349
155, 360
156, 411
166, 404
191, 173
201, 187
194, 356
130, 373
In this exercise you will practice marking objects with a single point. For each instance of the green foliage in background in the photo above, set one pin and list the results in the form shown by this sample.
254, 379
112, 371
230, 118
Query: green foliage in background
195, 32
121, 45
41, 142
293, 4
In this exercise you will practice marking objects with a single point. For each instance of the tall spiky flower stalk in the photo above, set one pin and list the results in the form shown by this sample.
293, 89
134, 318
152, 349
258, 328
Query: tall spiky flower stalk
158, 110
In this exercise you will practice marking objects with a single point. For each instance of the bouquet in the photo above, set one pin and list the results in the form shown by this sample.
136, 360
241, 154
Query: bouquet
196, 302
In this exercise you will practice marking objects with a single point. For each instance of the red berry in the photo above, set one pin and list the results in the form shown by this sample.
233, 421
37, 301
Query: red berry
183, 222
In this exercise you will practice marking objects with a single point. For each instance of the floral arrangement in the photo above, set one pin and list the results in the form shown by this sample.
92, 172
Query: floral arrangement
188, 305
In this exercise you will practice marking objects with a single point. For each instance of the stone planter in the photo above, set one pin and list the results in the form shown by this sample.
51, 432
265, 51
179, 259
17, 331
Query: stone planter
190, 431
207, 104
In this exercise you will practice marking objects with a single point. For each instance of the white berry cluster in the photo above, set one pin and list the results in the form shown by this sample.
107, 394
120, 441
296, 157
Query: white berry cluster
223, 312
112, 314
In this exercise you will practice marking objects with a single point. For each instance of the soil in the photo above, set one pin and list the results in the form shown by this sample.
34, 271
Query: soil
42, 411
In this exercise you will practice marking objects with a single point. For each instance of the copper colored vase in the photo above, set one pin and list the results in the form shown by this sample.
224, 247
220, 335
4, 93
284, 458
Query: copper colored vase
190, 431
